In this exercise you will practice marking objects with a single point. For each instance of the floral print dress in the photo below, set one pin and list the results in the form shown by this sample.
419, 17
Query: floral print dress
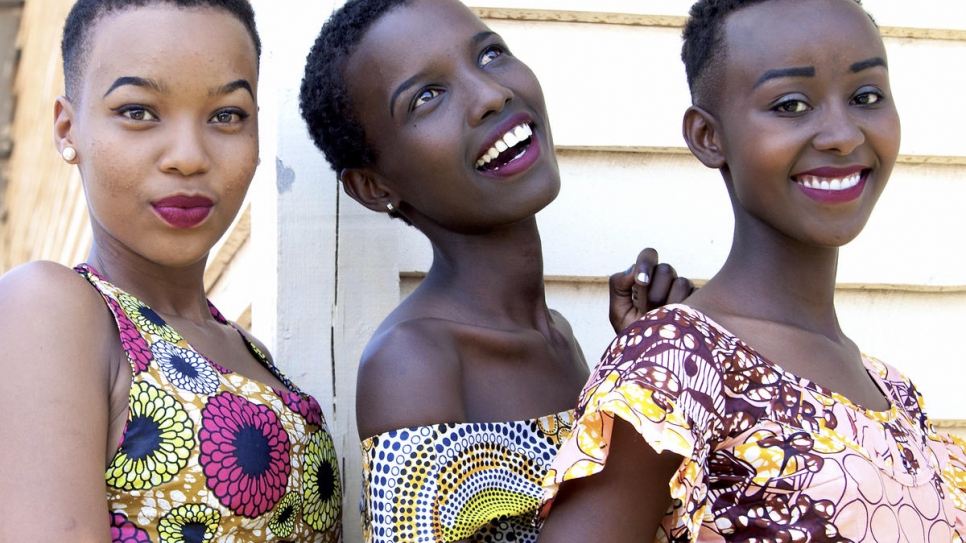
210, 455
454, 481
768, 456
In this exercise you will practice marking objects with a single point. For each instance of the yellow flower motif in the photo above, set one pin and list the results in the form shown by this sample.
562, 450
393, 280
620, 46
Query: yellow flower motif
157, 441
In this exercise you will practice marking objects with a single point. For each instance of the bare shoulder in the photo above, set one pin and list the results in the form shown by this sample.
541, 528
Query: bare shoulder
409, 375
49, 290
48, 308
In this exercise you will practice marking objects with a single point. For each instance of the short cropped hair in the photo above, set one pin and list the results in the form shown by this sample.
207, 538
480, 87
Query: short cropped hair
75, 45
704, 45
324, 97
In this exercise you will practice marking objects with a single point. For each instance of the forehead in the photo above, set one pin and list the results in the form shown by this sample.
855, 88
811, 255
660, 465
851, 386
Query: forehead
419, 37
785, 33
167, 43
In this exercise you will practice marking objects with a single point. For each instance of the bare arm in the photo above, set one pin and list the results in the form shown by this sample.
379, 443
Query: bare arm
54, 396
623, 503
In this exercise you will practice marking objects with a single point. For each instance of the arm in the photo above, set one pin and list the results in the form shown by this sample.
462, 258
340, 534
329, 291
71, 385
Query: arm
54, 396
623, 503
644, 286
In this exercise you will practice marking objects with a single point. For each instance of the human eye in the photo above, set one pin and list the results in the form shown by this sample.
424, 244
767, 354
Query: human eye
491, 53
791, 106
228, 116
424, 96
136, 113
867, 98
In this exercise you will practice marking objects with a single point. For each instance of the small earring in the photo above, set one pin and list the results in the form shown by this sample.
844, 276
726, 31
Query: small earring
69, 154
390, 207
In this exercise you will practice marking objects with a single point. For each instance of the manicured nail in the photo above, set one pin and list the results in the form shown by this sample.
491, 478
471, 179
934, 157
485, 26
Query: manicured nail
642, 277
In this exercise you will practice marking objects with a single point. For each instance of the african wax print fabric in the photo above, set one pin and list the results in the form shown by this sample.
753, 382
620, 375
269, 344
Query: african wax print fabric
768, 456
210, 455
454, 481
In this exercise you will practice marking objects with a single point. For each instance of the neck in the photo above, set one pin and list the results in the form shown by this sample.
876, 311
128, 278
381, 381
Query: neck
177, 291
497, 275
770, 276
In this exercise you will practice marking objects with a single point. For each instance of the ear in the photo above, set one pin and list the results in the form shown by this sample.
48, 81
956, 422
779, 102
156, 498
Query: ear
363, 186
703, 138
63, 123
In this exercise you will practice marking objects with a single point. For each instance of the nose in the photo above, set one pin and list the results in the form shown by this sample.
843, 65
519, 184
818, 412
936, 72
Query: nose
489, 96
186, 151
840, 132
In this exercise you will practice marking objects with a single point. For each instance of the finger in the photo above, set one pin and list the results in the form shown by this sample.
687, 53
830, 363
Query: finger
681, 288
643, 275
620, 297
660, 287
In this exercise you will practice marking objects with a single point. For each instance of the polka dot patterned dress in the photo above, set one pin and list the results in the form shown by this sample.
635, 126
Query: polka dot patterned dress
449, 482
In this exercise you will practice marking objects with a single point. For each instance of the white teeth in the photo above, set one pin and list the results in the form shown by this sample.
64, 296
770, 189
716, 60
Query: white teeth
514, 136
824, 183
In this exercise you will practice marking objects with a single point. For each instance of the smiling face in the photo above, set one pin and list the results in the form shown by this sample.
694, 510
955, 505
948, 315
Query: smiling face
165, 130
805, 119
459, 125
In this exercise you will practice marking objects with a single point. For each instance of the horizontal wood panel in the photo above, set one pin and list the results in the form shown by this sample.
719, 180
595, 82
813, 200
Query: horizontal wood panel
636, 98
611, 205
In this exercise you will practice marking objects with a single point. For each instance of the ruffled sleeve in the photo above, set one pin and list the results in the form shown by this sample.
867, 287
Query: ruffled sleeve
659, 375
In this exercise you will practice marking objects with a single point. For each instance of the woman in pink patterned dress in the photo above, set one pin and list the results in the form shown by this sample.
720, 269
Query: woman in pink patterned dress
746, 414
133, 411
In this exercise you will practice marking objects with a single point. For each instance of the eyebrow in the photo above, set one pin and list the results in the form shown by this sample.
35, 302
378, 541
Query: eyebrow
232, 87
804, 71
405, 85
868, 63
158, 87
137, 82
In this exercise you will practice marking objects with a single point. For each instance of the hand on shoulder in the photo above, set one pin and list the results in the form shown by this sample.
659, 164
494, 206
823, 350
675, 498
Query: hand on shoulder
646, 285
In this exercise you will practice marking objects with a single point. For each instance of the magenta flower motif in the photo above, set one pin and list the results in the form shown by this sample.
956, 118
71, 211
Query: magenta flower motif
244, 454
132, 341
125, 531
302, 404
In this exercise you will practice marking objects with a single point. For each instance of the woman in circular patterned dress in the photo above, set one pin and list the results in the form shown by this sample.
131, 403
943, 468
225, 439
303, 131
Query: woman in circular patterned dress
747, 414
466, 390
162, 421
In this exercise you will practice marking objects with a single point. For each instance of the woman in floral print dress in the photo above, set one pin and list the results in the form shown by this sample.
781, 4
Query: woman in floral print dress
747, 414
133, 411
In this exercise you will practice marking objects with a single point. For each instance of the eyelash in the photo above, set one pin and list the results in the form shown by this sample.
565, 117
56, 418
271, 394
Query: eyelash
875, 95
129, 112
496, 48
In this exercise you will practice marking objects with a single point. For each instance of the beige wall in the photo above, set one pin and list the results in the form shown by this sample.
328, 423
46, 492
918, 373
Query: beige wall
314, 273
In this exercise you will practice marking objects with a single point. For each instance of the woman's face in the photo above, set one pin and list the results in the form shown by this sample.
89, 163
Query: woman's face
807, 121
458, 123
165, 128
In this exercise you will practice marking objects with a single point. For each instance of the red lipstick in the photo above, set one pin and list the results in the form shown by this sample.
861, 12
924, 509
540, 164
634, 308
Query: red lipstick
183, 211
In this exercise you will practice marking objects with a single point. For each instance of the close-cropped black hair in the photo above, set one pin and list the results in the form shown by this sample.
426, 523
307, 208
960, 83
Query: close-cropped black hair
324, 97
75, 44
703, 43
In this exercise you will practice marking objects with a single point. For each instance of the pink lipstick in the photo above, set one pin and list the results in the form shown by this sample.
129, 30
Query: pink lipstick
832, 186
183, 211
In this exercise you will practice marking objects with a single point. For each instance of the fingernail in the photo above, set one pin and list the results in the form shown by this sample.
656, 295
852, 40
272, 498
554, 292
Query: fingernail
642, 277
629, 270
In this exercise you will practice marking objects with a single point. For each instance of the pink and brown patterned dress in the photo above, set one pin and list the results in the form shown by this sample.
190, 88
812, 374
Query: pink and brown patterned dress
209, 455
768, 456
